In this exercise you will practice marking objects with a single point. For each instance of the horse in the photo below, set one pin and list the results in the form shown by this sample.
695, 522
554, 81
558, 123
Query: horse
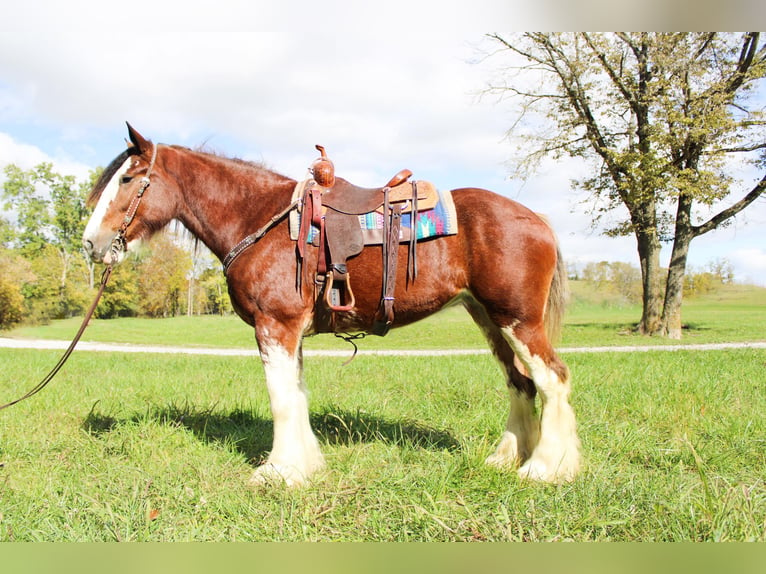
504, 266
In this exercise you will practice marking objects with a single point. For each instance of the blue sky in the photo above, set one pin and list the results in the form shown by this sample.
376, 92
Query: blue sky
382, 88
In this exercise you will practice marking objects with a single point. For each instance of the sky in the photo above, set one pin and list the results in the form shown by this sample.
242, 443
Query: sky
381, 86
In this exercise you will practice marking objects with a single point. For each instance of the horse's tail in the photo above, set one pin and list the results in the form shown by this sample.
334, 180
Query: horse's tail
558, 295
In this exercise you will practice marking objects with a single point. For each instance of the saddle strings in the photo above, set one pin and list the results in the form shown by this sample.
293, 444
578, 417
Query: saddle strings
350, 339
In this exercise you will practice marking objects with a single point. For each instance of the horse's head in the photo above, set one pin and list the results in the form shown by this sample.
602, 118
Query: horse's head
130, 202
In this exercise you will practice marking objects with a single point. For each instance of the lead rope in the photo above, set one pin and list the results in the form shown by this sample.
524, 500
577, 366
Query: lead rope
47, 379
118, 244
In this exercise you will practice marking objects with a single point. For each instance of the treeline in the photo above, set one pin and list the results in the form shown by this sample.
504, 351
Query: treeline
45, 274
623, 280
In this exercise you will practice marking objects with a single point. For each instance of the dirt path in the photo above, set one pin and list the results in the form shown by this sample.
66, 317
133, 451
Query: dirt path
128, 348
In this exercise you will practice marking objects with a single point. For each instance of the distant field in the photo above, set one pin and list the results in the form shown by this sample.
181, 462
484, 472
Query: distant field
736, 313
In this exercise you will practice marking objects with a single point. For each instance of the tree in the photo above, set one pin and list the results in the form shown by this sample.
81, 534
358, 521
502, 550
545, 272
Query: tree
722, 269
15, 272
207, 290
120, 298
50, 217
213, 282
669, 120
162, 280
616, 277
6, 233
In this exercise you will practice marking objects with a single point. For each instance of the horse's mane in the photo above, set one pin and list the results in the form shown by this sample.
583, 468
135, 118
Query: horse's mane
115, 164
207, 151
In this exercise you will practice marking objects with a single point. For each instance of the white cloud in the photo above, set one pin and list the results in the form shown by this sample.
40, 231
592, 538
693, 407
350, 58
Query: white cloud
23, 155
751, 264
27, 156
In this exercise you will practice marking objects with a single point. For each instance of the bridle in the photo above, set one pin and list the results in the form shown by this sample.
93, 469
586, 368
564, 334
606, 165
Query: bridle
118, 244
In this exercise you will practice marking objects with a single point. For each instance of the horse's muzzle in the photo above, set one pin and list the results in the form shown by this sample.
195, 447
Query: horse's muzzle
108, 250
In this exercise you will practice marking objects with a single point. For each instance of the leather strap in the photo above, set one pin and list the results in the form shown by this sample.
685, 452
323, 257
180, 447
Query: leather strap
254, 237
412, 256
317, 218
391, 228
49, 377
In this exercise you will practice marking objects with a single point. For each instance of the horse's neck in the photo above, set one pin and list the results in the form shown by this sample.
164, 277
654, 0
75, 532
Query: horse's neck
222, 206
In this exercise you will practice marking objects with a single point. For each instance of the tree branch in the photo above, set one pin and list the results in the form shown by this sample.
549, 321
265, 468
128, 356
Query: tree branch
718, 219
613, 75
753, 147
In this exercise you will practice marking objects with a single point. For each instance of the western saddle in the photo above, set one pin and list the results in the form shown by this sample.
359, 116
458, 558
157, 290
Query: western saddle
333, 206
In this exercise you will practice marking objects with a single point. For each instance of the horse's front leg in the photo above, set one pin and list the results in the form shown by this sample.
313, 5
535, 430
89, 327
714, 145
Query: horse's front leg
295, 454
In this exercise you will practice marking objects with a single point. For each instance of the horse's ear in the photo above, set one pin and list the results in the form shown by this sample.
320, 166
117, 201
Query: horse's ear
137, 140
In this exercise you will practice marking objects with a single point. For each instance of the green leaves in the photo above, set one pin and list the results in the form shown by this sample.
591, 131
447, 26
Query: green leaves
50, 207
48, 216
668, 122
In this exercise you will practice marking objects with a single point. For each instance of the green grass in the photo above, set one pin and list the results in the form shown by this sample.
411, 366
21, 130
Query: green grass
160, 447
735, 313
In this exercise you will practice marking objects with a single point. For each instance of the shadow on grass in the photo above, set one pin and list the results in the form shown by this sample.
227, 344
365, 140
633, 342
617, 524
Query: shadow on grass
252, 435
621, 328
617, 327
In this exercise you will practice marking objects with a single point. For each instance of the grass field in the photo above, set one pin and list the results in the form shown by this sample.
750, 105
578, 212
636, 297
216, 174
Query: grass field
735, 314
159, 447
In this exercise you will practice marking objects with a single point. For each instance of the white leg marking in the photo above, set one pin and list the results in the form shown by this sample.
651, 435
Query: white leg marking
556, 458
295, 454
522, 432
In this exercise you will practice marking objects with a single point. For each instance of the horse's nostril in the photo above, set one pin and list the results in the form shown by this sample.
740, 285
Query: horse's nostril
88, 244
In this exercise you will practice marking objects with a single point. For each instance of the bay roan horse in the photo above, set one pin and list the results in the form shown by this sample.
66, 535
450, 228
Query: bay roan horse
503, 265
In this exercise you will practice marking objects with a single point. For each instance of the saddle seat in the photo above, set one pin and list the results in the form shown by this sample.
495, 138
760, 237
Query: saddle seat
345, 197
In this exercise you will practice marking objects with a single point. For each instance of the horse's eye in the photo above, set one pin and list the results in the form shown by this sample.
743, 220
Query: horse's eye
126, 179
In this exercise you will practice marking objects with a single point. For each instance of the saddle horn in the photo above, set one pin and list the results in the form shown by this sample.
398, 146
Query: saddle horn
323, 169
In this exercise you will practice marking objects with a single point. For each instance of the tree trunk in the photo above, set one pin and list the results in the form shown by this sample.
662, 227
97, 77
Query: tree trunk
644, 218
674, 289
671, 313
190, 298
91, 271
651, 277
63, 303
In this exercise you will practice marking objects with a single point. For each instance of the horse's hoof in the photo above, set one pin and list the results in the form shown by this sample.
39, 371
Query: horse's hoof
541, 472
501, 461
271, 475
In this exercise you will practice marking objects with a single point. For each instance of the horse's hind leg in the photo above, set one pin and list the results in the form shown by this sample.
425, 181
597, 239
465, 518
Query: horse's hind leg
556, 457
522, 428
547, 449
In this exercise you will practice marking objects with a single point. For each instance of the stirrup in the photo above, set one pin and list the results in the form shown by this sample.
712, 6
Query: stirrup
337, 292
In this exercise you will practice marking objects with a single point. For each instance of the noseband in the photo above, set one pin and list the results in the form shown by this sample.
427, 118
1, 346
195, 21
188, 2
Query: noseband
119, 243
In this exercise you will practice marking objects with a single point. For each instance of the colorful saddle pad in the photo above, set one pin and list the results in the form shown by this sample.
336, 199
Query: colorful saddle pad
439, 221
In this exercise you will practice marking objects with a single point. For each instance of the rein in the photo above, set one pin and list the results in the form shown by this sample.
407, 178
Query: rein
49, 377
118, 244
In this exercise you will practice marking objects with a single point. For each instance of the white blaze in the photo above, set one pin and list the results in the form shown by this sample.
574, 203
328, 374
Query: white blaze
107, 196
